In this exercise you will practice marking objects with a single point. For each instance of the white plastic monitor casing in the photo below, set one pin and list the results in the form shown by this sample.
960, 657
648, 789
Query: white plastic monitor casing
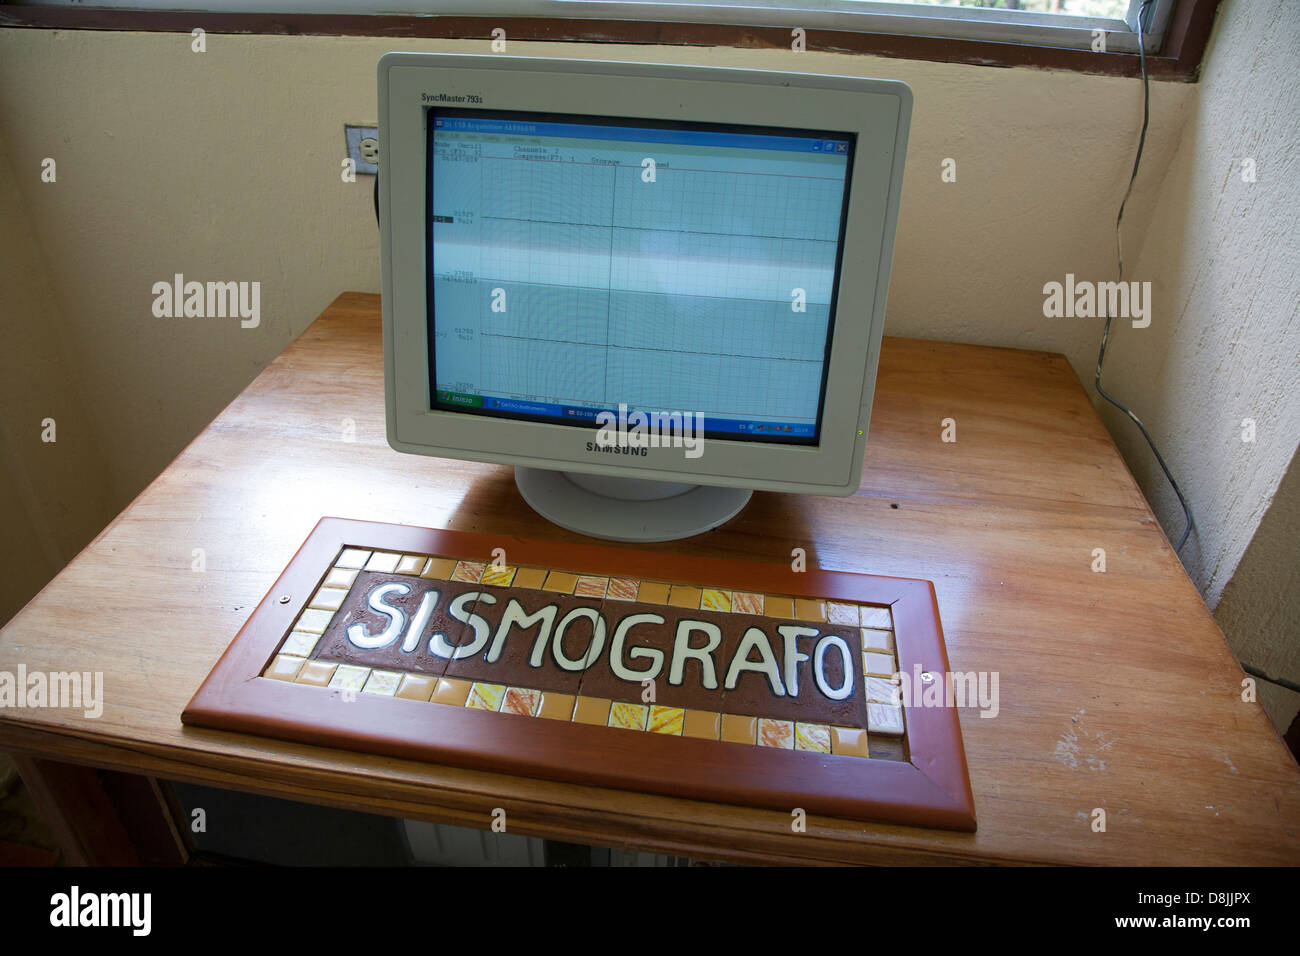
877, 111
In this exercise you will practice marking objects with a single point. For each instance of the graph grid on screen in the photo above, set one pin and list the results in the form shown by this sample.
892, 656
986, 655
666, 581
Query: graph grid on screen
581, 265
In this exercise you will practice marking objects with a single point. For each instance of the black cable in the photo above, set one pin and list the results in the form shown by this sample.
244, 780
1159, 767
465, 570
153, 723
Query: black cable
1119, 245
376, 195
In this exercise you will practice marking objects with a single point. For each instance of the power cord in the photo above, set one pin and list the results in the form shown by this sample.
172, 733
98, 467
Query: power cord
376, 195
1119, 245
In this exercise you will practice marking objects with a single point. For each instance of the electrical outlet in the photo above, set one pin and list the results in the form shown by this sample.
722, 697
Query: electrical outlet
363, 148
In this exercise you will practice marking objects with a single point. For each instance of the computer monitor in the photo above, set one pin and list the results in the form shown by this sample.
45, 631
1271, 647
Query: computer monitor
651, 289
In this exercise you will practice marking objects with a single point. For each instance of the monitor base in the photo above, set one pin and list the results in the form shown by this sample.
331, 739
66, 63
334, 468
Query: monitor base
627, 509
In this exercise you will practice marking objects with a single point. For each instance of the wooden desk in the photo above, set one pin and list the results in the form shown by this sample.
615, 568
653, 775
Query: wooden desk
1117, 689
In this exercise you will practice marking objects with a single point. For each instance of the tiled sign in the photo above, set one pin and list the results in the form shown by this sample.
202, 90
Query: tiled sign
527, 636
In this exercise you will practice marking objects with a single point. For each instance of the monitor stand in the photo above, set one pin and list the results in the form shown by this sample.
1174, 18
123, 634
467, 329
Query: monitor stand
627, 509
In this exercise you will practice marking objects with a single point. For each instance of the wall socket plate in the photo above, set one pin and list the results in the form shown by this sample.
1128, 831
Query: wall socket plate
363, 148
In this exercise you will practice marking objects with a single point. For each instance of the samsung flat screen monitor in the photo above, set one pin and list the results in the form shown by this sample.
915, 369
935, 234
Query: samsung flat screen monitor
651, 289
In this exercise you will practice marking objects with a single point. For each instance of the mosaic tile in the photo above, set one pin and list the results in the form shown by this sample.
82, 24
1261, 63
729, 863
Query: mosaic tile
877, 640
590, 586
809, 609
849, 742
739, 730
340, 578
628, 716
591, 710
484, 696
652, 592
622, 589
316, 673
439, 569
715, 600
417, 687
521, 701
776, 733
837, 613
746, 602
471, 572
283, 668
348, 677
878, 665
384, 683
411, 564
884, 719
702, 723
314, 620
681, 595
352, 558
666, 720
814, 737
883, 690
561, 582
451, 691
300, 643
774, 606
532, 578
877, 617
498, 575
384, 562
556, 706
329, 599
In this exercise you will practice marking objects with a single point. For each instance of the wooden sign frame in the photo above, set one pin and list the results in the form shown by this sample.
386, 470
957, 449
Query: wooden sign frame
930, 788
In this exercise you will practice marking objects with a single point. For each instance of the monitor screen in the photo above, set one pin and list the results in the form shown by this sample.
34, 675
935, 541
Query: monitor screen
582, 264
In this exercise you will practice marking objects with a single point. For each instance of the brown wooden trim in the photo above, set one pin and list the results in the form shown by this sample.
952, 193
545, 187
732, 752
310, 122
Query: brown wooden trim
933, 789
73, 803
1189, 31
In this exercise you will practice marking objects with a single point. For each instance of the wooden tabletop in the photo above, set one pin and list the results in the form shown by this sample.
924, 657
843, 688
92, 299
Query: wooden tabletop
1117, 690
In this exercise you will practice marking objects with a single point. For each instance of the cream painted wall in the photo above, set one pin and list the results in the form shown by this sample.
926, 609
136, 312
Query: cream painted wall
224, 165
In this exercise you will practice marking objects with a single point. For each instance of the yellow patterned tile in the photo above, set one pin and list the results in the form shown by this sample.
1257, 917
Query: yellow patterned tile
349, 677
628, 716
683, 596
622, 589
666, 720
329, 599
521, 701
878, 617
384, 683
653, 592
483, 696
591, 710
814, 737
556, 706
439, 569
499, 575
878, 665
384, 562
562, 582
411, 564
532, 578
714, 600
705, 724
776, 733
739, 730
883, 690
283, 668
837, 613
451, 691
470, 572
849, 742
782, 607
299, 643
340, 578
417, 687
877, 640
809, 609
352, 558
590, 586
746, 602
884, 719
316, 673
314, 620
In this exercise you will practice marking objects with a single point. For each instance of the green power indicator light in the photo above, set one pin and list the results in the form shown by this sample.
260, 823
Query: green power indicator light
859, 431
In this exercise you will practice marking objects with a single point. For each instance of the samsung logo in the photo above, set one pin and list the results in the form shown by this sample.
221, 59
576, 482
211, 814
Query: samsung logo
615, 449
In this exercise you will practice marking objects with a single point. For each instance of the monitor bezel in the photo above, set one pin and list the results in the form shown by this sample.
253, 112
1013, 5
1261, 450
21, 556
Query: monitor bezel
877, 111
